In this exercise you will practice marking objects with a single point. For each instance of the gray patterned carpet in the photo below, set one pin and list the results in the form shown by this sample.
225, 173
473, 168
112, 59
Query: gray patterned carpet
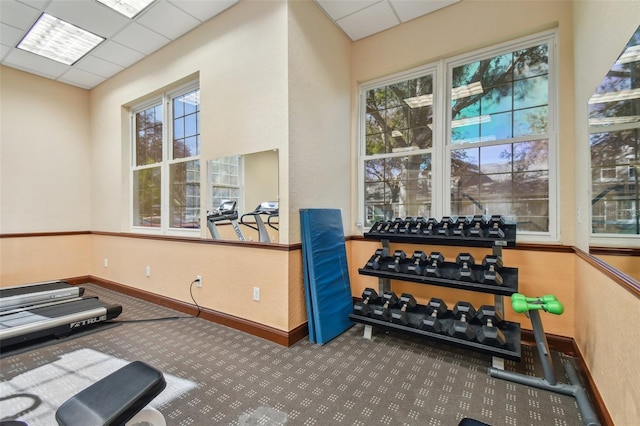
217, 375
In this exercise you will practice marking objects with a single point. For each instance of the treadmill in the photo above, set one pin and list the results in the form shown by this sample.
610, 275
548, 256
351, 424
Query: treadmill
268, 208
22, 296
57, 320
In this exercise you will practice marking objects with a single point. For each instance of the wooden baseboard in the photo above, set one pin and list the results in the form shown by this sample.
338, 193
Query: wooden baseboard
260, 330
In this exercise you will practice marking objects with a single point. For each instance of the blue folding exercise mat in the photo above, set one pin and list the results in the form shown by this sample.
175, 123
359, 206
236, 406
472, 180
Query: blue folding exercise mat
326, 274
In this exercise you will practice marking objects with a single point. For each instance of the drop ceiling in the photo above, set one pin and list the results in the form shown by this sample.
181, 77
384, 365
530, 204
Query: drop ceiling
130, 40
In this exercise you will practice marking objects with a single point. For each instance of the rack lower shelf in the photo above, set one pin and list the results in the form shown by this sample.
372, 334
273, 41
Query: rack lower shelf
511, 330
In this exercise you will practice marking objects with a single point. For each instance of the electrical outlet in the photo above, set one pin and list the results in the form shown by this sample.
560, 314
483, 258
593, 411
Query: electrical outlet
199, 281
256, 294
148, 271
106, 262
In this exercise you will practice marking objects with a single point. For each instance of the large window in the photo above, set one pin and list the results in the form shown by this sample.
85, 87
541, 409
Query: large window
479, 141
166, 162
614, 126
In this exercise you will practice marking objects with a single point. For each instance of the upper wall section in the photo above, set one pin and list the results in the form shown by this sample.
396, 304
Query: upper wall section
240, 59
44, 161
319, 115
468, 26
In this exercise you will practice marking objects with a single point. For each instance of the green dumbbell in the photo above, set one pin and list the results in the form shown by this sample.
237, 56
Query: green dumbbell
542, 299
553, 307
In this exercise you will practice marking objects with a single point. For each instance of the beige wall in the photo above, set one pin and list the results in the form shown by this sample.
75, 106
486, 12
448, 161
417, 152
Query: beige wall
44, 161
34, 259
607, 336
229, 274
319, 115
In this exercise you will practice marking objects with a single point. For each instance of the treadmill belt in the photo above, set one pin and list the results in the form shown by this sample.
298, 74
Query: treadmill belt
57, 320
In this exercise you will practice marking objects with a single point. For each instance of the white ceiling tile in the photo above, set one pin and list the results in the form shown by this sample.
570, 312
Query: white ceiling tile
88, 15
166, 19
81, 78
371, 20
117, 53
35, 64
337, 9
98, 66
140, 38
17, 14
4, 50
411, 9
37, 4
203, 10
10, 36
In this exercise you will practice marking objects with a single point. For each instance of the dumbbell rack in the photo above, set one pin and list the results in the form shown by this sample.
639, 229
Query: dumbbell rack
401, 234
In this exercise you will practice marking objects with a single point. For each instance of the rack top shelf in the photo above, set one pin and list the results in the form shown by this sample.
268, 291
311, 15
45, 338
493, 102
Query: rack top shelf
451, 231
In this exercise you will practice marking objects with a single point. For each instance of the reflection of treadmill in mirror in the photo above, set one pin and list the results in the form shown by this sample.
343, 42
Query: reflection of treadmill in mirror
226, 211
268, 208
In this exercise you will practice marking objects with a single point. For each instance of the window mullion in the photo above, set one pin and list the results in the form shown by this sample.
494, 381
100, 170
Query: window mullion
166, 156
441, 167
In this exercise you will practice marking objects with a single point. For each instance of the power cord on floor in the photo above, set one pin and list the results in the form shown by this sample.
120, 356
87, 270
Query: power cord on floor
166, 318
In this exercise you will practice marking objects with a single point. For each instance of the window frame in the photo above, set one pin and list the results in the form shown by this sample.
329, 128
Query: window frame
441, 72
165, 99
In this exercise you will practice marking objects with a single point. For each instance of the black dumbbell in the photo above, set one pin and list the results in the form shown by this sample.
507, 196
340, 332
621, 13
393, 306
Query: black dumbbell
461, 225
378, 226
409, 222
419, 257
363, 307
461, 329
496, 226
398, 223
436, 259
399, 255
432, 226
491, 275
490, 334
419, 223
389, 299
399, 316
446, 226
478, 225
374, 262
436, 309
465, 264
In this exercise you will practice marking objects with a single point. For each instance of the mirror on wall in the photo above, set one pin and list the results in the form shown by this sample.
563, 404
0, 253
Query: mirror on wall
242, 197
614, 138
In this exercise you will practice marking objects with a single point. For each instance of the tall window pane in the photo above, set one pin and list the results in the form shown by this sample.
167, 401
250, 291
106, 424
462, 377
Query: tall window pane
147, 199
398, 119
149, 136
495, 103
184, 194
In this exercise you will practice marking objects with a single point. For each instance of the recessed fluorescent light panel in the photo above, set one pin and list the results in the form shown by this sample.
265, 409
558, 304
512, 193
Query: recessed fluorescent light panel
58, 40
128, 8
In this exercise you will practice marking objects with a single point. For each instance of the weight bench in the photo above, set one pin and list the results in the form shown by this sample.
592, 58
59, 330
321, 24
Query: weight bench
115, 399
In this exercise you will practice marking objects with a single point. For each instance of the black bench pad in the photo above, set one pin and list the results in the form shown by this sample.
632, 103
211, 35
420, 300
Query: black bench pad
115, 399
